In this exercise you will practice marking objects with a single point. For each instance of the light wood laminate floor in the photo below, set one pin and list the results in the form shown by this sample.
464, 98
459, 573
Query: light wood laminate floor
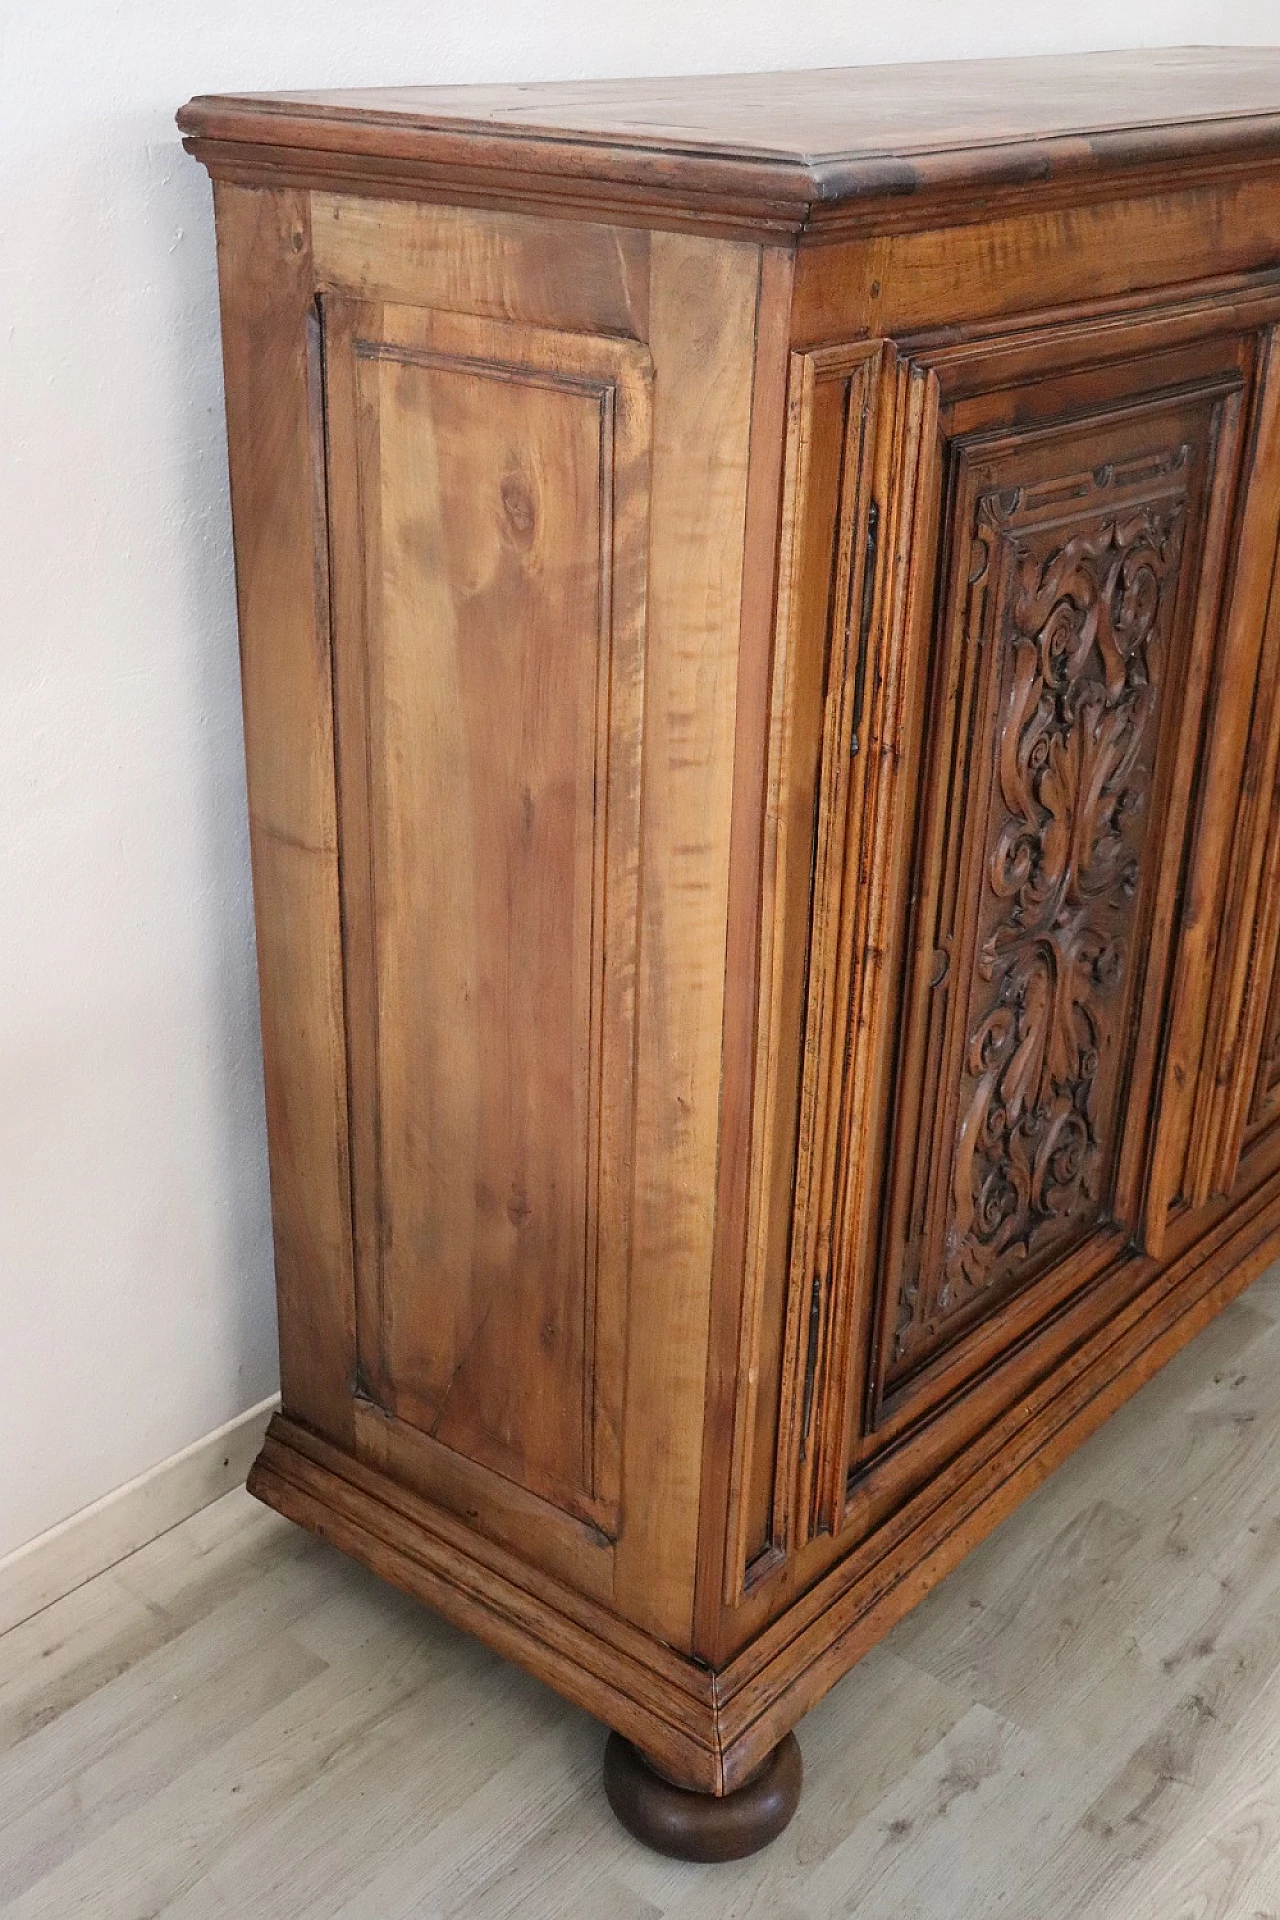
1083, 1720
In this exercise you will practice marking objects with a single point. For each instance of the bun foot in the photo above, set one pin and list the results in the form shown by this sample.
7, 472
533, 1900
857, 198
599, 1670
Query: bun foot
703, 1826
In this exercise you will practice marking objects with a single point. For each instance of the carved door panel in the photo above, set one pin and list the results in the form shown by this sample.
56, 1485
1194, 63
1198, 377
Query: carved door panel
1080, 567
1021, 830
490, 484
1067, 637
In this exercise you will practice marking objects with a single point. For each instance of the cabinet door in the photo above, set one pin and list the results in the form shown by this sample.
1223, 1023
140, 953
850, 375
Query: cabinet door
1056, 615
490, 494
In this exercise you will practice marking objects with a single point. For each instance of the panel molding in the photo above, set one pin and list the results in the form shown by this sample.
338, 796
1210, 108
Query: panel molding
1062, 645
1137, 420
818, 683
612, 378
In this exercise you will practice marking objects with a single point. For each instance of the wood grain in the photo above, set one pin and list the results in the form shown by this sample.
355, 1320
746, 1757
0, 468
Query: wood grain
495, 482
559, 274
820, 687
985, 1030
702, 319
733, 1363
1243, 842
274, 432
778, 153
759, 627
1022, 259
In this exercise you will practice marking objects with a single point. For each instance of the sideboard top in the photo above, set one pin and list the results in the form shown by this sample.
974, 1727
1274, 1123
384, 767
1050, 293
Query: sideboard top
784, 151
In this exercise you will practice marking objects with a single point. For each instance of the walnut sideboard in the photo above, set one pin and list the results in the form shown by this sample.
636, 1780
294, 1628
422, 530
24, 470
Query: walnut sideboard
761, 650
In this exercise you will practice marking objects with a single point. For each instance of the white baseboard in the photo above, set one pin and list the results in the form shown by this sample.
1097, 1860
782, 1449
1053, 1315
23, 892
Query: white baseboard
37, 1574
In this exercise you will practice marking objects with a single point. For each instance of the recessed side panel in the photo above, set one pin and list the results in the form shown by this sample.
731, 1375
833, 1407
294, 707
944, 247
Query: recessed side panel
490, 755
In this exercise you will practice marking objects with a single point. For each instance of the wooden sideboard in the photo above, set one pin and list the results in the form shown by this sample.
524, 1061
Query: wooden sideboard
762, 697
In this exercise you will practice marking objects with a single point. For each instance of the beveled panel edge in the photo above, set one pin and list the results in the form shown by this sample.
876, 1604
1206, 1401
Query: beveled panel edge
534, 1526
617, 375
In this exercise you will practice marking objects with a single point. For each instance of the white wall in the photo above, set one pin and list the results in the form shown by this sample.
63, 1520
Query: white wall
135, 1275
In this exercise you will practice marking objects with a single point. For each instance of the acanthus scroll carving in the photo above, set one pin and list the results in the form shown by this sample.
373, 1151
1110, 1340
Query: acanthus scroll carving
1080, 627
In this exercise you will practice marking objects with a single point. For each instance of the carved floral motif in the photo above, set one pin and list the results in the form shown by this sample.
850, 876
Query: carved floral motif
1081, 631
